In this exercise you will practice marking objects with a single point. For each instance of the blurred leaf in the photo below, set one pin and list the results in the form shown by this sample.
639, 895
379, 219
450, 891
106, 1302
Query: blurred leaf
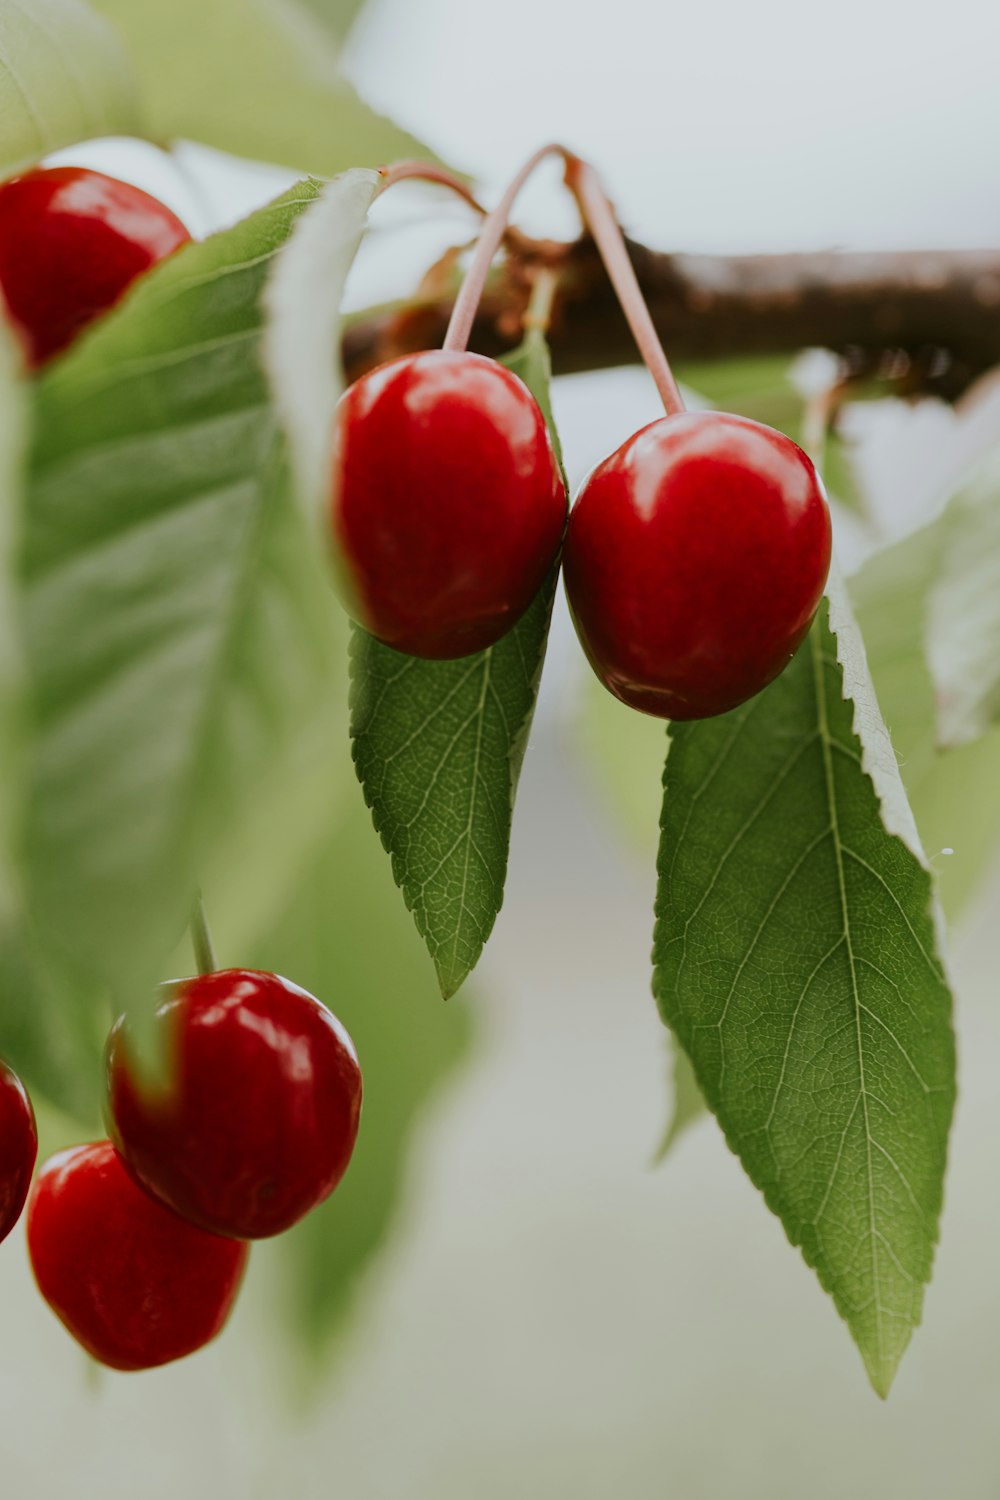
955, 794
963, 621
338, 16
64, 77
303, 334
759, 387
13, 446
178, 623
48, 1027
259, 78
626, 751
345, 936
687, 1103
444, 807
795, 955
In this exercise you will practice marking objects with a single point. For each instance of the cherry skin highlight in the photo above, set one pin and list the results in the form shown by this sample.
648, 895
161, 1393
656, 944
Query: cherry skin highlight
71, 242
259, 1122
18, 1148
447, 504
695, 559
133, 1283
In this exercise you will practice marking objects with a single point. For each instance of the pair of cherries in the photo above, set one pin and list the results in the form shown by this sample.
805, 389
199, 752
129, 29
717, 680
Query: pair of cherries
694, 558
139, 1243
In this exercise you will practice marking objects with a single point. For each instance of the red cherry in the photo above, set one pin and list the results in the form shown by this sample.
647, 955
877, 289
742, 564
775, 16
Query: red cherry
695, 559
71, 241
263, 1114
18, 1148
448, 506
133, 1283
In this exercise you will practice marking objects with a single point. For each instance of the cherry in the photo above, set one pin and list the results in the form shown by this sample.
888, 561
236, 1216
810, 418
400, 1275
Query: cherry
71, 241
18, 1148
695, 559
448, 506
261, 1120
133, 1283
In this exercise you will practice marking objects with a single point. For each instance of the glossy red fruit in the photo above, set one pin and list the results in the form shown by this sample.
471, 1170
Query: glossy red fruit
71, 241
133, 1283
18, 1148
448, 506
261, 1120
695, 559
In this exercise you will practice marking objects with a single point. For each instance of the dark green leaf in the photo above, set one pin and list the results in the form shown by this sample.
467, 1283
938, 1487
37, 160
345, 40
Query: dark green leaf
438, 748
796, 960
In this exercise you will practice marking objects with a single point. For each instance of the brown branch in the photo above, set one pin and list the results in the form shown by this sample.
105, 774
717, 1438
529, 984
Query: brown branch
926, 320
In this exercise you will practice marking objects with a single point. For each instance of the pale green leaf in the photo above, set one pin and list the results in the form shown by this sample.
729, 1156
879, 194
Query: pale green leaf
338, 16
797, 961
343, 933
954, 793
625, 751
259, 78
64, 77
302, 340
48, 1025
438, 747
178, 621
963, 620
687, 1104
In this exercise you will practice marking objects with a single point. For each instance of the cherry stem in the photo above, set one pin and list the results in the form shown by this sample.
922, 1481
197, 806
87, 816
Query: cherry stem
201, 938
425, 171
463, 314
599, 216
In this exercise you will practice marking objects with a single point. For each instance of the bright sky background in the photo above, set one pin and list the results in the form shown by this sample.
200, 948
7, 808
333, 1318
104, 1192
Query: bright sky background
721, 124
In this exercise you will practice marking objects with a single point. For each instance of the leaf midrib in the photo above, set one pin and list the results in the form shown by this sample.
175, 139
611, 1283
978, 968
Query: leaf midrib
826, 744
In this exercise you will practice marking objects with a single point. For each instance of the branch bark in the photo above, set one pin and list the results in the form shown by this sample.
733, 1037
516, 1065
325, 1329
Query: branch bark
928, 321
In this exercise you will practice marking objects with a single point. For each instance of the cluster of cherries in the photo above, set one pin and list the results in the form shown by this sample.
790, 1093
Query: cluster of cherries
139, 1242
694, 560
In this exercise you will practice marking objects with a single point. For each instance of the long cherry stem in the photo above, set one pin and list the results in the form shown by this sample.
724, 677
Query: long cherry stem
599, 217
425, 171
463, 314
201, 938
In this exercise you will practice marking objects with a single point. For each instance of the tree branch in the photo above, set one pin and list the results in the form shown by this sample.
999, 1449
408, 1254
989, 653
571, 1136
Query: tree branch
928, 321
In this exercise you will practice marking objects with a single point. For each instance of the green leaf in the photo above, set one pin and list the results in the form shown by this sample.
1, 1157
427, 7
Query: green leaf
963, 623
625, 751
954, 793
438, 747
338, 16
178, 622
343, 934
13, 446
259, 78
758, 387
303, 336
796, 960
64, 77
687, 1103
47, 1021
